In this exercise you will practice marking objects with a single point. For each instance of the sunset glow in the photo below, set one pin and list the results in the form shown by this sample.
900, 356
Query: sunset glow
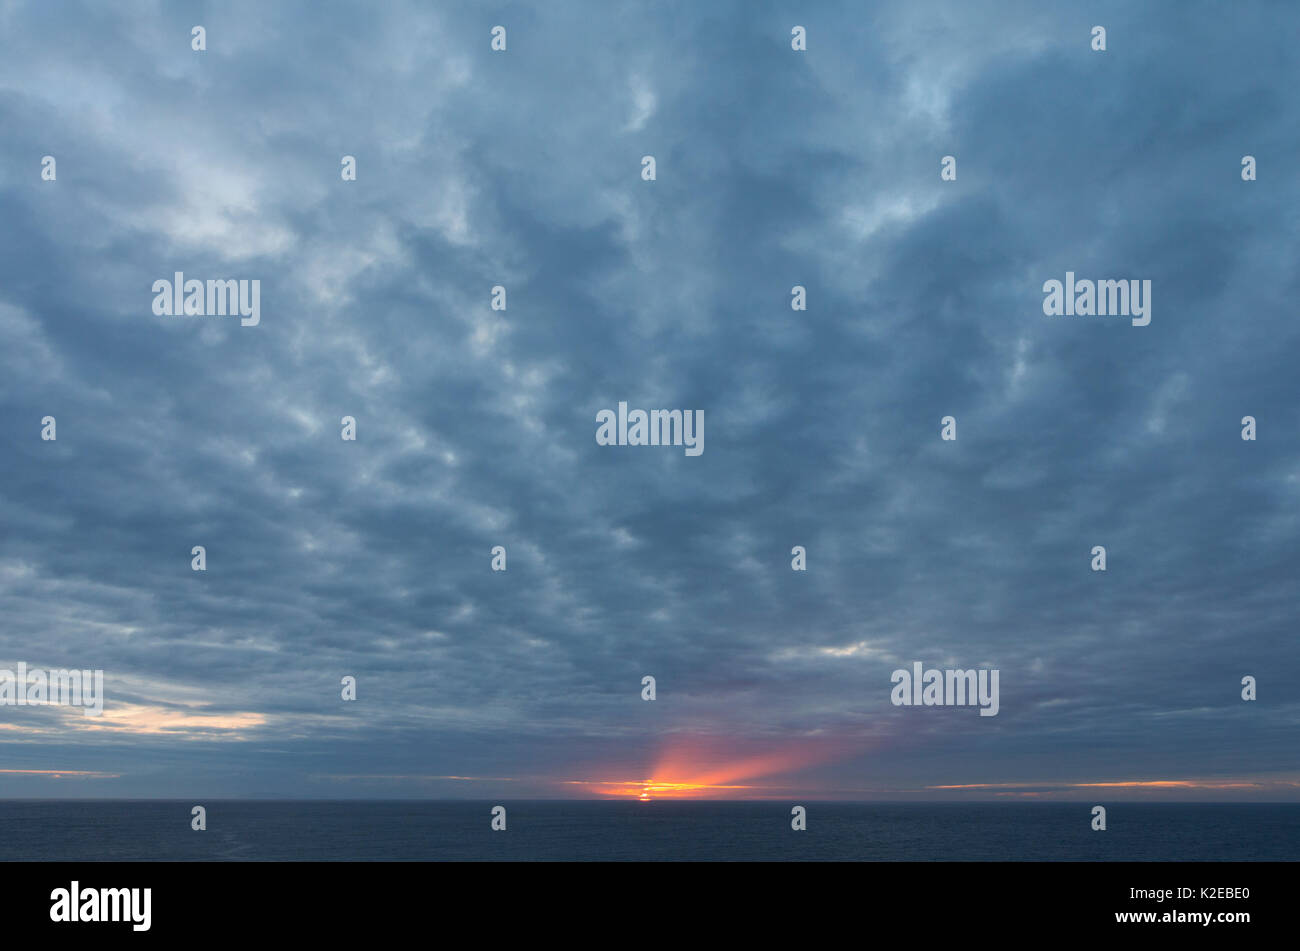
697, 770
647, 789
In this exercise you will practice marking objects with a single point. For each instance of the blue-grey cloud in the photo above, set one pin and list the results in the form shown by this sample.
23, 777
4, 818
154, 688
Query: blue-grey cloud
476, 427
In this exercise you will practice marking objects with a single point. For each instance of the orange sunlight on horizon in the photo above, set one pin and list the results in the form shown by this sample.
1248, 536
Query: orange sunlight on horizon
689, 773
697, 770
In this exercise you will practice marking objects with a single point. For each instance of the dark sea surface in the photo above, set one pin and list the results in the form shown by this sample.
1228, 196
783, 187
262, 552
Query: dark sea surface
247, 830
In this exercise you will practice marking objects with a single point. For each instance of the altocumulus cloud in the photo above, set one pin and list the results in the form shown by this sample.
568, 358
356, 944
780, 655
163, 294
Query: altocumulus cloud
475, 427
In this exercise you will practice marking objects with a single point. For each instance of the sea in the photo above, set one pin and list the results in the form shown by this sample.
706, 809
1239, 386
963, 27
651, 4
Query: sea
635, 831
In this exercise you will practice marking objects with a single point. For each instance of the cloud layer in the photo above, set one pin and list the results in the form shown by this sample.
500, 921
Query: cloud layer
476, 427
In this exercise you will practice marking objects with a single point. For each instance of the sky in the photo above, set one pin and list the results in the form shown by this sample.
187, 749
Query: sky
372, 558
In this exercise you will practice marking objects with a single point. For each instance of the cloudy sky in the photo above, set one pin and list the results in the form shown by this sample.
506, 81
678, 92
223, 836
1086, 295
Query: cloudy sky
476, 428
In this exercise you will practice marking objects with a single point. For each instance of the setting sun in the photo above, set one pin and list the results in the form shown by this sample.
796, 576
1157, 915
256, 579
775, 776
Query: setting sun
699, 771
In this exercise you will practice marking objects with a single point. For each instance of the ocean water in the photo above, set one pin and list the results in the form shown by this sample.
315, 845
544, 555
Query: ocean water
245, 830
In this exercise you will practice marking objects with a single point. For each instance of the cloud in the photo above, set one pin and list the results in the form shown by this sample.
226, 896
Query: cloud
476, 427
